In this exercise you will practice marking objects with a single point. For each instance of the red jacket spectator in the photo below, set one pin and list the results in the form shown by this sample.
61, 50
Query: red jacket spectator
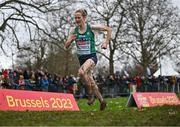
5, 73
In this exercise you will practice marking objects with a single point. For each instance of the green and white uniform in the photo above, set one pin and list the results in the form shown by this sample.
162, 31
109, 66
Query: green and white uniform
85, 44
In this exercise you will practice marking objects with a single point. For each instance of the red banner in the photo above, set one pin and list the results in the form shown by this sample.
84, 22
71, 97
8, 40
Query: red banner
21, 100
151, 99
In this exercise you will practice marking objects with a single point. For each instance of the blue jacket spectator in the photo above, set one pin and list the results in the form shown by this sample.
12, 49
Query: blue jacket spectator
44, 83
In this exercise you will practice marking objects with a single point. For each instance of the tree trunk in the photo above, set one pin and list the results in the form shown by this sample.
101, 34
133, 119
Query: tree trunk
111, 63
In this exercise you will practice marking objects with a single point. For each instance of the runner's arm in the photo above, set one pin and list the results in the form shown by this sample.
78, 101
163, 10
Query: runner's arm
70, 39
104, 29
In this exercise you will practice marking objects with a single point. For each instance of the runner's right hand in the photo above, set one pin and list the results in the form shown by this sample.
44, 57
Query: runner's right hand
73, 37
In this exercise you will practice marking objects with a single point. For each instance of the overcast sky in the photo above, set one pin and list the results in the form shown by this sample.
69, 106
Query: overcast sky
6, 62
176, 2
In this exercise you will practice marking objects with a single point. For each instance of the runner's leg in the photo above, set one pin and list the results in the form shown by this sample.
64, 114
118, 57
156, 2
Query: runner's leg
85, 72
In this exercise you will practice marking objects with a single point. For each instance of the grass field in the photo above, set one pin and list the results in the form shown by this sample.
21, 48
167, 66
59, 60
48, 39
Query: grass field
116, 114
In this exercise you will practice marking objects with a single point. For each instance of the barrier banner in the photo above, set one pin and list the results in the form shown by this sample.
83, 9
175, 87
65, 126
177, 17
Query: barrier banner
21, 100
151, 99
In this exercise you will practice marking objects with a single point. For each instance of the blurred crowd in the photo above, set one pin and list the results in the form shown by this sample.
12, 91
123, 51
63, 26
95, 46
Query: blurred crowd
111, 85
115, 85
37, 80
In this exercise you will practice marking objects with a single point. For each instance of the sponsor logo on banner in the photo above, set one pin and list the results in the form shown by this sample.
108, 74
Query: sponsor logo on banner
151, 99
21, 100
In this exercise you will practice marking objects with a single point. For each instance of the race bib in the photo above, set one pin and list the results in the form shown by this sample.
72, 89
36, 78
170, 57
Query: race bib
83, 45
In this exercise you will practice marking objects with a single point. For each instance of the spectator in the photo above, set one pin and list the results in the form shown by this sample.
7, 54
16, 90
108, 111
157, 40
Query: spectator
71, 82
44, 83
53, 83
5, 73
173, 83
1, 82
21, 83
28, 84
60, 84
138, 83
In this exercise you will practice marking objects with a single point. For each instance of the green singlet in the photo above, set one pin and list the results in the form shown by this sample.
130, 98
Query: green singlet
85, 42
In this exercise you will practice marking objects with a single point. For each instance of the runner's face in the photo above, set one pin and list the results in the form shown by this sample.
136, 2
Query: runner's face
79, 19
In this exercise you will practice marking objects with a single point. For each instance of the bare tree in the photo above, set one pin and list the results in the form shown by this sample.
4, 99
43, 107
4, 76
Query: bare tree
32, 25
48, 51
60, 24
111, 14
175, 54
20, 18
151, 30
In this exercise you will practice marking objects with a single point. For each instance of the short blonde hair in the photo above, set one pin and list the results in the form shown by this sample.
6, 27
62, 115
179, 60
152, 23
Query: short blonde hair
82, 11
